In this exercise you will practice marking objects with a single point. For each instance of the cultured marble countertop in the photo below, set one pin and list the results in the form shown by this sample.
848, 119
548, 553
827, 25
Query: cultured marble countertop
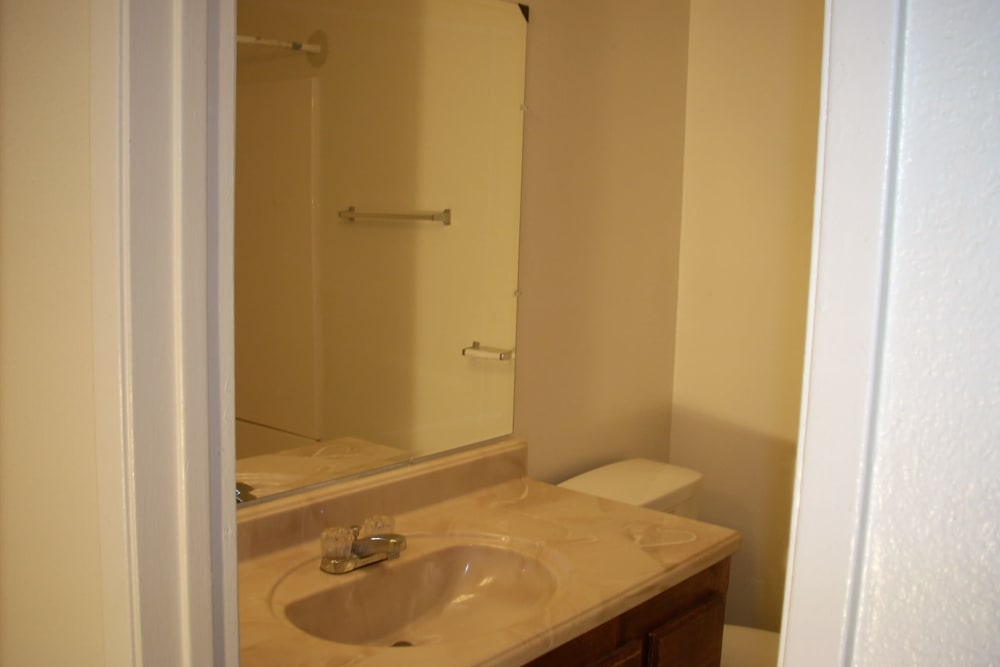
606, 557
279, 472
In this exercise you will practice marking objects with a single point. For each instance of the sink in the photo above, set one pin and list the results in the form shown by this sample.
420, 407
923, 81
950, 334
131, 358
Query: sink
437, 591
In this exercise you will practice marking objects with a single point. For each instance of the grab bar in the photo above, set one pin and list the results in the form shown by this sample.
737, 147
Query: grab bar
479, 351
351, 214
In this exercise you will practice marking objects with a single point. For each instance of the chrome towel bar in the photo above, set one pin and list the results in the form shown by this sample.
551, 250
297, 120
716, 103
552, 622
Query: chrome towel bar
306, 47
478, 351
351, 214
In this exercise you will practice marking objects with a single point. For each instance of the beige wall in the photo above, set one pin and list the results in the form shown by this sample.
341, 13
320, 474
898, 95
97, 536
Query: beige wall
436, 125
604, 137
749, 167
625, 105
50, 565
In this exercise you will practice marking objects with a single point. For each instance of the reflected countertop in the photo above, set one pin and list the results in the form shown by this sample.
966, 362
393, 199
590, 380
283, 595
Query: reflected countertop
271, 474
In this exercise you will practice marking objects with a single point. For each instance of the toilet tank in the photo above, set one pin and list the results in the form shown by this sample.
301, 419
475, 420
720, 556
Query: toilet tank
644, 482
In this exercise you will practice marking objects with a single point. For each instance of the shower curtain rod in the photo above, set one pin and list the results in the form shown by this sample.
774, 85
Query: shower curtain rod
293, 46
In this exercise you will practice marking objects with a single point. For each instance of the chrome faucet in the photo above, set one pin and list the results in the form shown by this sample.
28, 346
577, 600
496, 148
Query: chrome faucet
347, 549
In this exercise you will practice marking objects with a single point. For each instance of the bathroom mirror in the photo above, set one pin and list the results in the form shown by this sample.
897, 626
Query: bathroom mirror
378, 172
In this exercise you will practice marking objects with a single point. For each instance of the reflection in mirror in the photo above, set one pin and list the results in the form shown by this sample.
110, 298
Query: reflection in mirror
371, 328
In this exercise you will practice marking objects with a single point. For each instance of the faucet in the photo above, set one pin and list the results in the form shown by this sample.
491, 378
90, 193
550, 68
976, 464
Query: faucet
347, 549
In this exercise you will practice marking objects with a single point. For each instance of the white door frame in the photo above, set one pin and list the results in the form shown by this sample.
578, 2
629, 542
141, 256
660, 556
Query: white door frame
851, 240
162, 123
162, 135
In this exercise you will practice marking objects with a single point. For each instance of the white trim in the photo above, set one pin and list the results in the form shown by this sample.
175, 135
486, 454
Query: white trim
162, 151
851, 235
189, 285
113, 437
222, 351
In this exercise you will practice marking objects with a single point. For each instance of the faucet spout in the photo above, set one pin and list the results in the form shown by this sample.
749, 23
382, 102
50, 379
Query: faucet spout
389, 544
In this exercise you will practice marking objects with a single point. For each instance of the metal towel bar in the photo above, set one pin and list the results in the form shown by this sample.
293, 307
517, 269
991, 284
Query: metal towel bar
351, 214
305, 47
478, 351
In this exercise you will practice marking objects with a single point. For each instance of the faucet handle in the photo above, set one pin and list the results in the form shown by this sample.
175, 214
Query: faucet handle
336, 543
377, 524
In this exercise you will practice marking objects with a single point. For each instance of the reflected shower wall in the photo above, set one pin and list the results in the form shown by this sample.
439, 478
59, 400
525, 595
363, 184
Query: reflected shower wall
355, 329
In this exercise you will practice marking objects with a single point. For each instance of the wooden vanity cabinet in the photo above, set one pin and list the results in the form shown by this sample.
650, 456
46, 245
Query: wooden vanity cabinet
681, 627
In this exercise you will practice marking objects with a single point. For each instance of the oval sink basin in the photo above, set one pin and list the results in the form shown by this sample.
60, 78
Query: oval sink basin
448, 594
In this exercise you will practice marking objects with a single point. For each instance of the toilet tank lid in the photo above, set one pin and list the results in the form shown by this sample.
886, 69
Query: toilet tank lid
640, 482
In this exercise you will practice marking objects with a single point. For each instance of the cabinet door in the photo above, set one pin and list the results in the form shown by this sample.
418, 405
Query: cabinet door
629, 655
693, 639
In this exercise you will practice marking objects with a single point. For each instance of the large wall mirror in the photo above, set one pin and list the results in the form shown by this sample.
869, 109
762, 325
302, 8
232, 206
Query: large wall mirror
378, 173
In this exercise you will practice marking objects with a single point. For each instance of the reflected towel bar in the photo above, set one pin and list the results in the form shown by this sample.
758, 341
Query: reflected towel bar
351, 215
277, 43
478, 351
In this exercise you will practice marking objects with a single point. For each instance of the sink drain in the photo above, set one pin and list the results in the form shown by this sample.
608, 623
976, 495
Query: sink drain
402, 643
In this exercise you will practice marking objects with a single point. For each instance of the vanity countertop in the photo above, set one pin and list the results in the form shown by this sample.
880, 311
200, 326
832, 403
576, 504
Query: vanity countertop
607, 558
